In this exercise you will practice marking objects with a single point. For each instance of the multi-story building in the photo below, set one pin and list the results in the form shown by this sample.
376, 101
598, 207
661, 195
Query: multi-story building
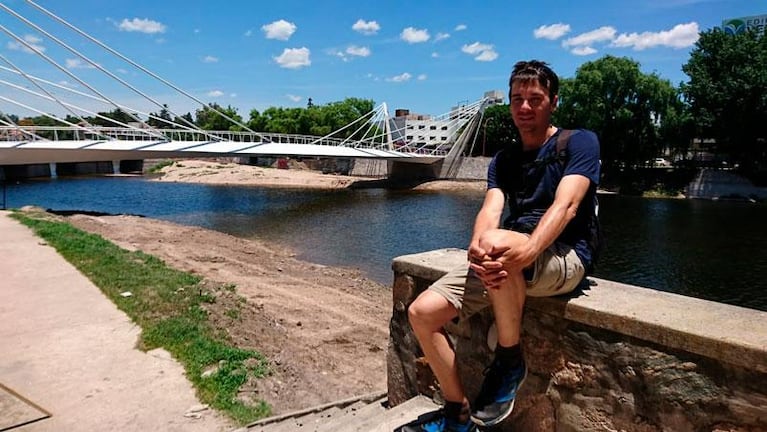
422, 131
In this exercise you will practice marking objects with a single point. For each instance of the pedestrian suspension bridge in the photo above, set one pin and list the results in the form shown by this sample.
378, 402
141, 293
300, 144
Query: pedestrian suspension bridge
438, 140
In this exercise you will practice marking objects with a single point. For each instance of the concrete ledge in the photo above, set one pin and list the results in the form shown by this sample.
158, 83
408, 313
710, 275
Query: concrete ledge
732, 334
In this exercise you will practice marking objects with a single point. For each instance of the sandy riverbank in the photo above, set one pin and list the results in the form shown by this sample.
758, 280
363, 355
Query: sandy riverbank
221, 173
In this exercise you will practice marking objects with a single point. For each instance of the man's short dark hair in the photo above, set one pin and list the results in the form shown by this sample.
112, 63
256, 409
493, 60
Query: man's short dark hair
535, 70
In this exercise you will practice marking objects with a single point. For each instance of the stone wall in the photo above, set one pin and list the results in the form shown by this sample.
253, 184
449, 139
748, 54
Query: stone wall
612, 358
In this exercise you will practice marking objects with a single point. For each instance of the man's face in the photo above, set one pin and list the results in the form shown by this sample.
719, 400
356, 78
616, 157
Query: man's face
531, 106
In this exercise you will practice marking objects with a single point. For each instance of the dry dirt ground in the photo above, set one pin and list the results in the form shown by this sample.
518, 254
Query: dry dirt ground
323, 329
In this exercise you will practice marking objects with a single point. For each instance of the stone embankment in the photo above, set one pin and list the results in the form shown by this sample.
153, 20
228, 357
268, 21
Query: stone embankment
613, 358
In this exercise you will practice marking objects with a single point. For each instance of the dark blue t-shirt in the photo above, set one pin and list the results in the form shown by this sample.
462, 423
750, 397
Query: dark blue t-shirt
529, 180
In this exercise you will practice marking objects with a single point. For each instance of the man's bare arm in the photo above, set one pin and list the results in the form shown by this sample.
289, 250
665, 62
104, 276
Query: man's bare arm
570, 193
488, 217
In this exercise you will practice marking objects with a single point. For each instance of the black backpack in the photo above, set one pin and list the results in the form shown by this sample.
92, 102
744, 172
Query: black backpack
510, 160
596, 238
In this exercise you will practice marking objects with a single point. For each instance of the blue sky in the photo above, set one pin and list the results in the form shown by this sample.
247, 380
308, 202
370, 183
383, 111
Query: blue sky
424, 55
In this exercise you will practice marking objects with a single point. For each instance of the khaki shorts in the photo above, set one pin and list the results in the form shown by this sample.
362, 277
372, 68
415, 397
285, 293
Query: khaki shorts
556, 271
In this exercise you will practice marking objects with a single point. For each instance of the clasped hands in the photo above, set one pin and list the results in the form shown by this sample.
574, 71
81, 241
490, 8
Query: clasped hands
497, 254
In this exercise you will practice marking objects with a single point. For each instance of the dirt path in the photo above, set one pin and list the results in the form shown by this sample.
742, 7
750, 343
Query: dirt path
324, 330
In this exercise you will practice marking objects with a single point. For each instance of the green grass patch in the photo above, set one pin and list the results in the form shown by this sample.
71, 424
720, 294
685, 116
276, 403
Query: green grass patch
160, 166
169, 305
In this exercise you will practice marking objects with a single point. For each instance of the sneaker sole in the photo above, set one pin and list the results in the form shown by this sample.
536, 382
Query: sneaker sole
505, 414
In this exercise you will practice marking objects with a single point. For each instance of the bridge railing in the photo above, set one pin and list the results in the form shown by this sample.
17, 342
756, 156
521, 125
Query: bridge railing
72, 133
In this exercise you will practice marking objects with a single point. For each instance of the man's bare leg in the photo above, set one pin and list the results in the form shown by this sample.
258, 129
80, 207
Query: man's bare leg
428, 314
507, 372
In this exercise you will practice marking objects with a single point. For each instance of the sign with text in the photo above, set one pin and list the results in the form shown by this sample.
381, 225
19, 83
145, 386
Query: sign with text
735, 26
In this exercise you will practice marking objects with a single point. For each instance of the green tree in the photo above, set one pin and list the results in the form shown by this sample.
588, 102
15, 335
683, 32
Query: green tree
162, 119
117, 114
256, 122
625, 107
209, 118
497, 131
184, 119
727, 93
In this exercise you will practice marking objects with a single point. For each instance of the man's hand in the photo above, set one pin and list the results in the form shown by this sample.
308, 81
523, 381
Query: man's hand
497, 253
486, 266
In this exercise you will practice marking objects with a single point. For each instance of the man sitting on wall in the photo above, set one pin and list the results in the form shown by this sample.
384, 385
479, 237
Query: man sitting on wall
542, 249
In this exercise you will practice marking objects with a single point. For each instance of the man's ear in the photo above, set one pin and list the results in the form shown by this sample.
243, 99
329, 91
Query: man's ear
555, 102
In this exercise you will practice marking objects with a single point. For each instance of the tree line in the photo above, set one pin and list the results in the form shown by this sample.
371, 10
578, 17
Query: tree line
637, 116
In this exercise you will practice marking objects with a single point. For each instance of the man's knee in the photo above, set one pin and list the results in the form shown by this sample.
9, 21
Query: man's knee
429, 310
501, 239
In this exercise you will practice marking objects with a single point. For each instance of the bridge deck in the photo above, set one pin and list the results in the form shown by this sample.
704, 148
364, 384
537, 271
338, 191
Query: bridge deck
33, 152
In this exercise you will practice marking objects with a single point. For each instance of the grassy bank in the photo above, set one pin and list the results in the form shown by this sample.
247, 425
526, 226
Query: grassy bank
170, 307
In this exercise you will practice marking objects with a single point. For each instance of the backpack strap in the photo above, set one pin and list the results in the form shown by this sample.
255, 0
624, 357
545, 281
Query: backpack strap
562, 140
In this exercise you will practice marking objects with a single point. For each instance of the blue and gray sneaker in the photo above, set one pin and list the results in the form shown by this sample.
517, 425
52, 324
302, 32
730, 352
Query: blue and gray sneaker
440, 423
496, 397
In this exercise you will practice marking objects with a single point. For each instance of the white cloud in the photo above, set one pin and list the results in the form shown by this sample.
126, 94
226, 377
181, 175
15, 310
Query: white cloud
422, 77
601, 34
480, 51
33, 41
232, 95
358, 51
551, 32
681, 36
366, 27
441, 36
583, 50
281, 30
248, 33
68, 84
460, 27
196, 31
476, 48
400, 78
122, 71
75, 63
294, 98
487, 56
294, 58
434, 54
141, 25
413, 35
210, 59
215, 93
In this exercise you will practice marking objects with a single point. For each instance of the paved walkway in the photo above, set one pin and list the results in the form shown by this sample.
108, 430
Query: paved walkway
67, 350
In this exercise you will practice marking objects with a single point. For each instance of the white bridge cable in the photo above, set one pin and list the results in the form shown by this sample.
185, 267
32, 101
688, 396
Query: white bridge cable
45, 114
138, 66
7, 121
458, 118
331, 134
68, 105
82, 56
126, 108
373, 115
51, 96
70, 74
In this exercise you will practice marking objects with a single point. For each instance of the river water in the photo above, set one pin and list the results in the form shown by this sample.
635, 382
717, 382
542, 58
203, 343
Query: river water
704, 249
